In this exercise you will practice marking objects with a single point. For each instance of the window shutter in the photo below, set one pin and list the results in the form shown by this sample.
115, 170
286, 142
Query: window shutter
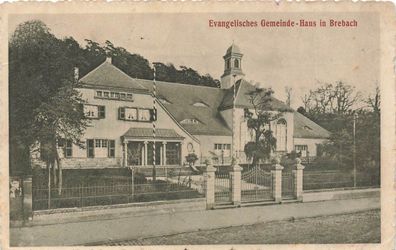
121, 113
101, 112
153, 114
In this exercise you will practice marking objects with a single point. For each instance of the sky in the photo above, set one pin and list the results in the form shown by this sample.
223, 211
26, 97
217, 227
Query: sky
278, 57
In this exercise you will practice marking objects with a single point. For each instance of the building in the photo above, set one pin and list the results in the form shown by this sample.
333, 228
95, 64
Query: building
187, 118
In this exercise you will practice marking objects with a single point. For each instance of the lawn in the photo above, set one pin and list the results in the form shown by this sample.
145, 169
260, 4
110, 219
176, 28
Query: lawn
362, 227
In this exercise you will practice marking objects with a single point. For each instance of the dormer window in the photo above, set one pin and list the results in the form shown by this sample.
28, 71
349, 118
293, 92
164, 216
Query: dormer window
164, 100
190, 121
200, 104
307, 128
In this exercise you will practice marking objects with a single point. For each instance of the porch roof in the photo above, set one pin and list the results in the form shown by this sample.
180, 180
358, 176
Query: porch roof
147, 133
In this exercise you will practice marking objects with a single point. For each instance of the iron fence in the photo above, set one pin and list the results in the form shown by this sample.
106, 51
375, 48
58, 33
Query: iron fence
339, 179
222, 187
91, 191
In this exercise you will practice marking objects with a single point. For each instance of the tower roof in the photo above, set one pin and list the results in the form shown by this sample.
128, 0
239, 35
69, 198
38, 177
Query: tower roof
234, 49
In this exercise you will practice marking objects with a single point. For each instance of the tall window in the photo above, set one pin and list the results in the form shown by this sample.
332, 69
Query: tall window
281, 135
69, 148
228, 63
173, 153
236, 63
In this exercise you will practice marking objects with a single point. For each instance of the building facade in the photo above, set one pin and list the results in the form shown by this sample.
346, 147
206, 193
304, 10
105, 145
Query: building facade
130, 126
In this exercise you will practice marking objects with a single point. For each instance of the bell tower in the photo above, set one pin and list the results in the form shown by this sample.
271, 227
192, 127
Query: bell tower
232, 67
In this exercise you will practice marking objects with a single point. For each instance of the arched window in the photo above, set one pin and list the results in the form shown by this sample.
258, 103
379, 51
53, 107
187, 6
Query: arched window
281, 135
228, 63
236, 63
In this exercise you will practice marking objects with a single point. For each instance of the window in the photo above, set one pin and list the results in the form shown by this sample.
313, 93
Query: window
104, 143
129, 96
228, 63
112, 94
98, 143
111, 148
222, 149
135, 114
68, 148
173, 153
94, 111
281, 135
106, 94
122, 95
236, 63
144, 115
303, 149
99, 93
117, 95
190, 121
200, 104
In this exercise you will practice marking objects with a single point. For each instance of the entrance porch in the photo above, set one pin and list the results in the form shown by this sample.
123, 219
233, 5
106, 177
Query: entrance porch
141, 148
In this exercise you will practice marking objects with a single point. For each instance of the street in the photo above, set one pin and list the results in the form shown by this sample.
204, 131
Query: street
361, 227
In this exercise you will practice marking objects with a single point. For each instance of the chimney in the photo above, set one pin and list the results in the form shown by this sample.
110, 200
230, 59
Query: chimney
109, 59
76, 74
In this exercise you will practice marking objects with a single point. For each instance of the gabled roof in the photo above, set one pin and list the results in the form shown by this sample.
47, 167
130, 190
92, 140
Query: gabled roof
242, 98
108, 75
181, 99
148, 133
305, 128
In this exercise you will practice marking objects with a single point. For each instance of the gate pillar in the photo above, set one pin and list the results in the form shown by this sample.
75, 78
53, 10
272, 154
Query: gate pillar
235, 178
277, 181
209, 178
27, 194
298, 180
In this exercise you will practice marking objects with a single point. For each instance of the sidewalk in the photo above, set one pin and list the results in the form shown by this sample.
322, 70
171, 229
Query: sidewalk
80, 233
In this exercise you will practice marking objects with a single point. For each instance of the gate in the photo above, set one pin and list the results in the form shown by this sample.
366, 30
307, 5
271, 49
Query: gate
288, 185
222, 187
256, 185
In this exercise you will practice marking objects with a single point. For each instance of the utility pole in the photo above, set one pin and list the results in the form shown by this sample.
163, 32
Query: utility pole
354, 149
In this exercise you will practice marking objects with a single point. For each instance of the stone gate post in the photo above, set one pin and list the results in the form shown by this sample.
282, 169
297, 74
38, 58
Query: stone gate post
209, 178
298, 179
235, 178
27, 193
277, 181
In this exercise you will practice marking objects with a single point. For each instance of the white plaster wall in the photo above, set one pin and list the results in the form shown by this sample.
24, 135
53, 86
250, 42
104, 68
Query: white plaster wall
112, 128
207, 144
311, 143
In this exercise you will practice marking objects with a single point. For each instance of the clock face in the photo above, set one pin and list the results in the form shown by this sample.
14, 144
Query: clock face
190, 147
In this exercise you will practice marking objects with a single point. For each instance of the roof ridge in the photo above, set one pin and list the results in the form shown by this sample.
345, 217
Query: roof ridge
90, 72
185, 84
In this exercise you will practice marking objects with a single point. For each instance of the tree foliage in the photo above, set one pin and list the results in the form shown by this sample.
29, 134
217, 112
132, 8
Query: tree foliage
259, 121
44, 107
337, 107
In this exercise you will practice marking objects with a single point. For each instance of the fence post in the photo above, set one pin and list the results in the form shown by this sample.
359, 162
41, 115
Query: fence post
277, 181
298, 180
235, 178
210, 185
27, 198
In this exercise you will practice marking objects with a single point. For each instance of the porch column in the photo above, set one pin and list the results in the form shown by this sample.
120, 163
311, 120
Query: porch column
235, 178
277, 181
145, 153
163, 153
209, 178
125, 153
298, 179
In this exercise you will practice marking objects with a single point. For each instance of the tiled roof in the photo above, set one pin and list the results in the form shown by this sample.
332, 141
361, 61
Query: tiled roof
108, 75
180, 100
305, 128
148, 133
242, 98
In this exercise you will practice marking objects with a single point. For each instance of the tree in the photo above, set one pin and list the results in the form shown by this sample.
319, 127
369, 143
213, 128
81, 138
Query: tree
260, 122
44, 107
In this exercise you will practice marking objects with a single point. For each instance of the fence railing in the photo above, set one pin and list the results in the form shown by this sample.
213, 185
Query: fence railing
222, 187
118, 190
313, 180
